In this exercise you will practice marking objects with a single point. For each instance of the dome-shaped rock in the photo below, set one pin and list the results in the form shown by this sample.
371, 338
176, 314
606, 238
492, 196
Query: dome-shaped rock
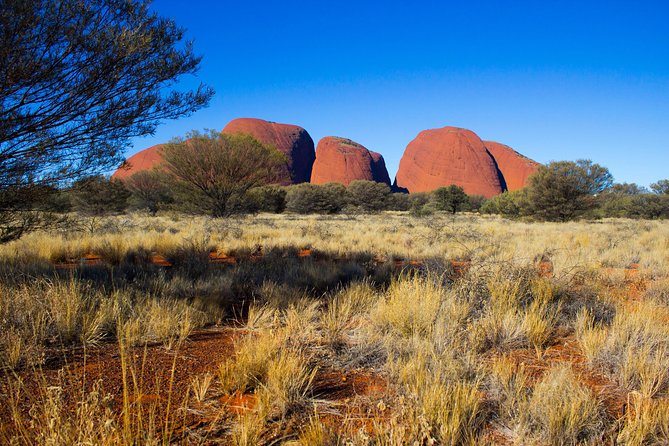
340, 160
291, 140
445, 156
515, 167
143, 160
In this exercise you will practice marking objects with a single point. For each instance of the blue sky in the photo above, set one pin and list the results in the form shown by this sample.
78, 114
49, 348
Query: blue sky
554, 80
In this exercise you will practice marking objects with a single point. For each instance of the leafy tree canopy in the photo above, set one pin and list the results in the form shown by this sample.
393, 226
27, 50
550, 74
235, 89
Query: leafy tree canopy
78, 80
212, 170
564, 190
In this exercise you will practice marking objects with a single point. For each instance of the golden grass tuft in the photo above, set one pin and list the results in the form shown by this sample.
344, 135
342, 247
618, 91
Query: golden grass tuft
562, 411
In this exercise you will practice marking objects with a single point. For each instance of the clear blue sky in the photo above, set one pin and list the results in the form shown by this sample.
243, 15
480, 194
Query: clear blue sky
554, 80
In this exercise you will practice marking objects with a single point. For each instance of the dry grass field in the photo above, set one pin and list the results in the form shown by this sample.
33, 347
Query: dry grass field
321, 330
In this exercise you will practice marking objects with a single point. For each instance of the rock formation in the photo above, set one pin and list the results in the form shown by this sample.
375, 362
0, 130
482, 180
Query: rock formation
515, 167
292, 140
445, 156
379, 170
341, 160
144, 160
435, 158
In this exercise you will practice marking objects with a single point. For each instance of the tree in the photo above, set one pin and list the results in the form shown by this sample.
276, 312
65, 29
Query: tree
78, 80
476, 202
213, 170
369, 196
564, 190
661, 187
627, 189
450, 198
96, 195
150, 190
646, 205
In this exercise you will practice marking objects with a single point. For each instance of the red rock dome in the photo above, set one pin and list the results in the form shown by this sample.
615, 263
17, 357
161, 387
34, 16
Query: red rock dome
340, 160
291, 140
144, 160
515, 167
445, 156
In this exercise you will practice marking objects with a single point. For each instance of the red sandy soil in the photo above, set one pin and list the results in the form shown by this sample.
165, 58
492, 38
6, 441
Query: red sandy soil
460, 267
566, 350
354, 397
634, 282
77, 371
352, 393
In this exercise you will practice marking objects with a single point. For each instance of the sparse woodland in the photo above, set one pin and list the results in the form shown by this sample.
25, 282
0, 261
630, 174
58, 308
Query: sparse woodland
197, 302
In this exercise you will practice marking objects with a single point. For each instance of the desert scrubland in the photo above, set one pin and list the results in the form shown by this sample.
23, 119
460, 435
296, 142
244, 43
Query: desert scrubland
382, 329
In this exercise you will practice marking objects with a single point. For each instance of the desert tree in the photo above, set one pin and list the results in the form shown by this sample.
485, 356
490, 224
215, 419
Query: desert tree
660, 187
627, 189
78, 80
507, 204
211, 170
149, 190
398, 201
369, 196
307, 198
564, 190
268, 198
449, 198
97, 196
476, 202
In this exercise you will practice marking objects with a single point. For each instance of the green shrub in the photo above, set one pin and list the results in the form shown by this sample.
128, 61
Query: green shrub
268, 198
450, 198
369, 196
308, 198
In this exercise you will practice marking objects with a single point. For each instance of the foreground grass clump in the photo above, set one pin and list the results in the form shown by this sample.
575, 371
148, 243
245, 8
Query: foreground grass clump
54, 313
633, 349
334, 330
562, 411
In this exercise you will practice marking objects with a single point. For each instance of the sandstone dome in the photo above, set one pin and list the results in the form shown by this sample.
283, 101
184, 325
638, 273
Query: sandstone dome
341, 160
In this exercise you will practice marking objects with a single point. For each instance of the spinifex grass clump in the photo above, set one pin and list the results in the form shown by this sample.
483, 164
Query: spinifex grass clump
563, 411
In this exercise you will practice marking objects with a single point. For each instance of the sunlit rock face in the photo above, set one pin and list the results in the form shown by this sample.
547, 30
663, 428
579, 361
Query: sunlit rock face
515, 167
340, 160
445, 156
292, 140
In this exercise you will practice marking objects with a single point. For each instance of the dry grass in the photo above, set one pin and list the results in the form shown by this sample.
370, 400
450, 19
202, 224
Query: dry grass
633, 349
490, 354
562, 411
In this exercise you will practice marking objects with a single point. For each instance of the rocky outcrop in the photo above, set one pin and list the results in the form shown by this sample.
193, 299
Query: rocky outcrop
291, 140
515, 167
379, 170
340, 160
435, 158
445, 156
143, 160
